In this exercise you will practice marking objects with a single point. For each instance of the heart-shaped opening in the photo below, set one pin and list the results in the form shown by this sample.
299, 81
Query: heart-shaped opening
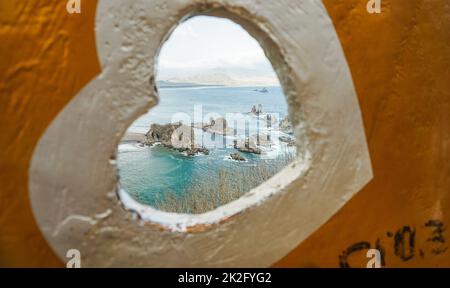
220, 130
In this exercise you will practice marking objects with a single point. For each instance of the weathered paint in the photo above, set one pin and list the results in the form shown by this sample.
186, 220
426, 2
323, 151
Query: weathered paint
46, 57
399, 62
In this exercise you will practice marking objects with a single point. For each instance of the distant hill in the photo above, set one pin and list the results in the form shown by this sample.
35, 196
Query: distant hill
173, 84
214, 78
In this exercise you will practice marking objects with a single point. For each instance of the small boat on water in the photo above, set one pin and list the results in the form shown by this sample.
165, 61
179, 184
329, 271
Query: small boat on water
263, 90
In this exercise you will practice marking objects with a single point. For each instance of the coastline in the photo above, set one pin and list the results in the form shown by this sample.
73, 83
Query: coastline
132, 137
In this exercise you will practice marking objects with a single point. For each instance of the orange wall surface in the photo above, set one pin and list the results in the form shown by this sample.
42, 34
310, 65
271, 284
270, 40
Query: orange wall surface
399, 61
46, 57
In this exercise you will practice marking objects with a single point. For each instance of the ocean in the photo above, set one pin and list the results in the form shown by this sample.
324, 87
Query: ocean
146, 173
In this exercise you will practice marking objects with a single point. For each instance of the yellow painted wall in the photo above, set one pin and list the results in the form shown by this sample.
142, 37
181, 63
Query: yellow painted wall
399, 61
46, 56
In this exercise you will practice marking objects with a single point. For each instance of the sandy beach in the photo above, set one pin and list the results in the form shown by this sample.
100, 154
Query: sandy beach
132, 137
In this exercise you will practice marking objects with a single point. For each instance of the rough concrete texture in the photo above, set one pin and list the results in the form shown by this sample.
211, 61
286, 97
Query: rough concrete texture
67, 202
399, 63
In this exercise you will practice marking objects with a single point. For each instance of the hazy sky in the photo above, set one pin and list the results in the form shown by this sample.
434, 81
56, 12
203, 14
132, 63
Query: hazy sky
203, 44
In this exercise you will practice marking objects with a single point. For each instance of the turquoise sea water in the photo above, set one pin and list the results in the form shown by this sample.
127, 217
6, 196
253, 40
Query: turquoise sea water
147, 172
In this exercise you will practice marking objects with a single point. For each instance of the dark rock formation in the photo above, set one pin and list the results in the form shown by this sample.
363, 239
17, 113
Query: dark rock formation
286, 139
286, 126
176, 136
256, 109
237, 157
248, 149
164, 133
218, 126
270, 119
193, 151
